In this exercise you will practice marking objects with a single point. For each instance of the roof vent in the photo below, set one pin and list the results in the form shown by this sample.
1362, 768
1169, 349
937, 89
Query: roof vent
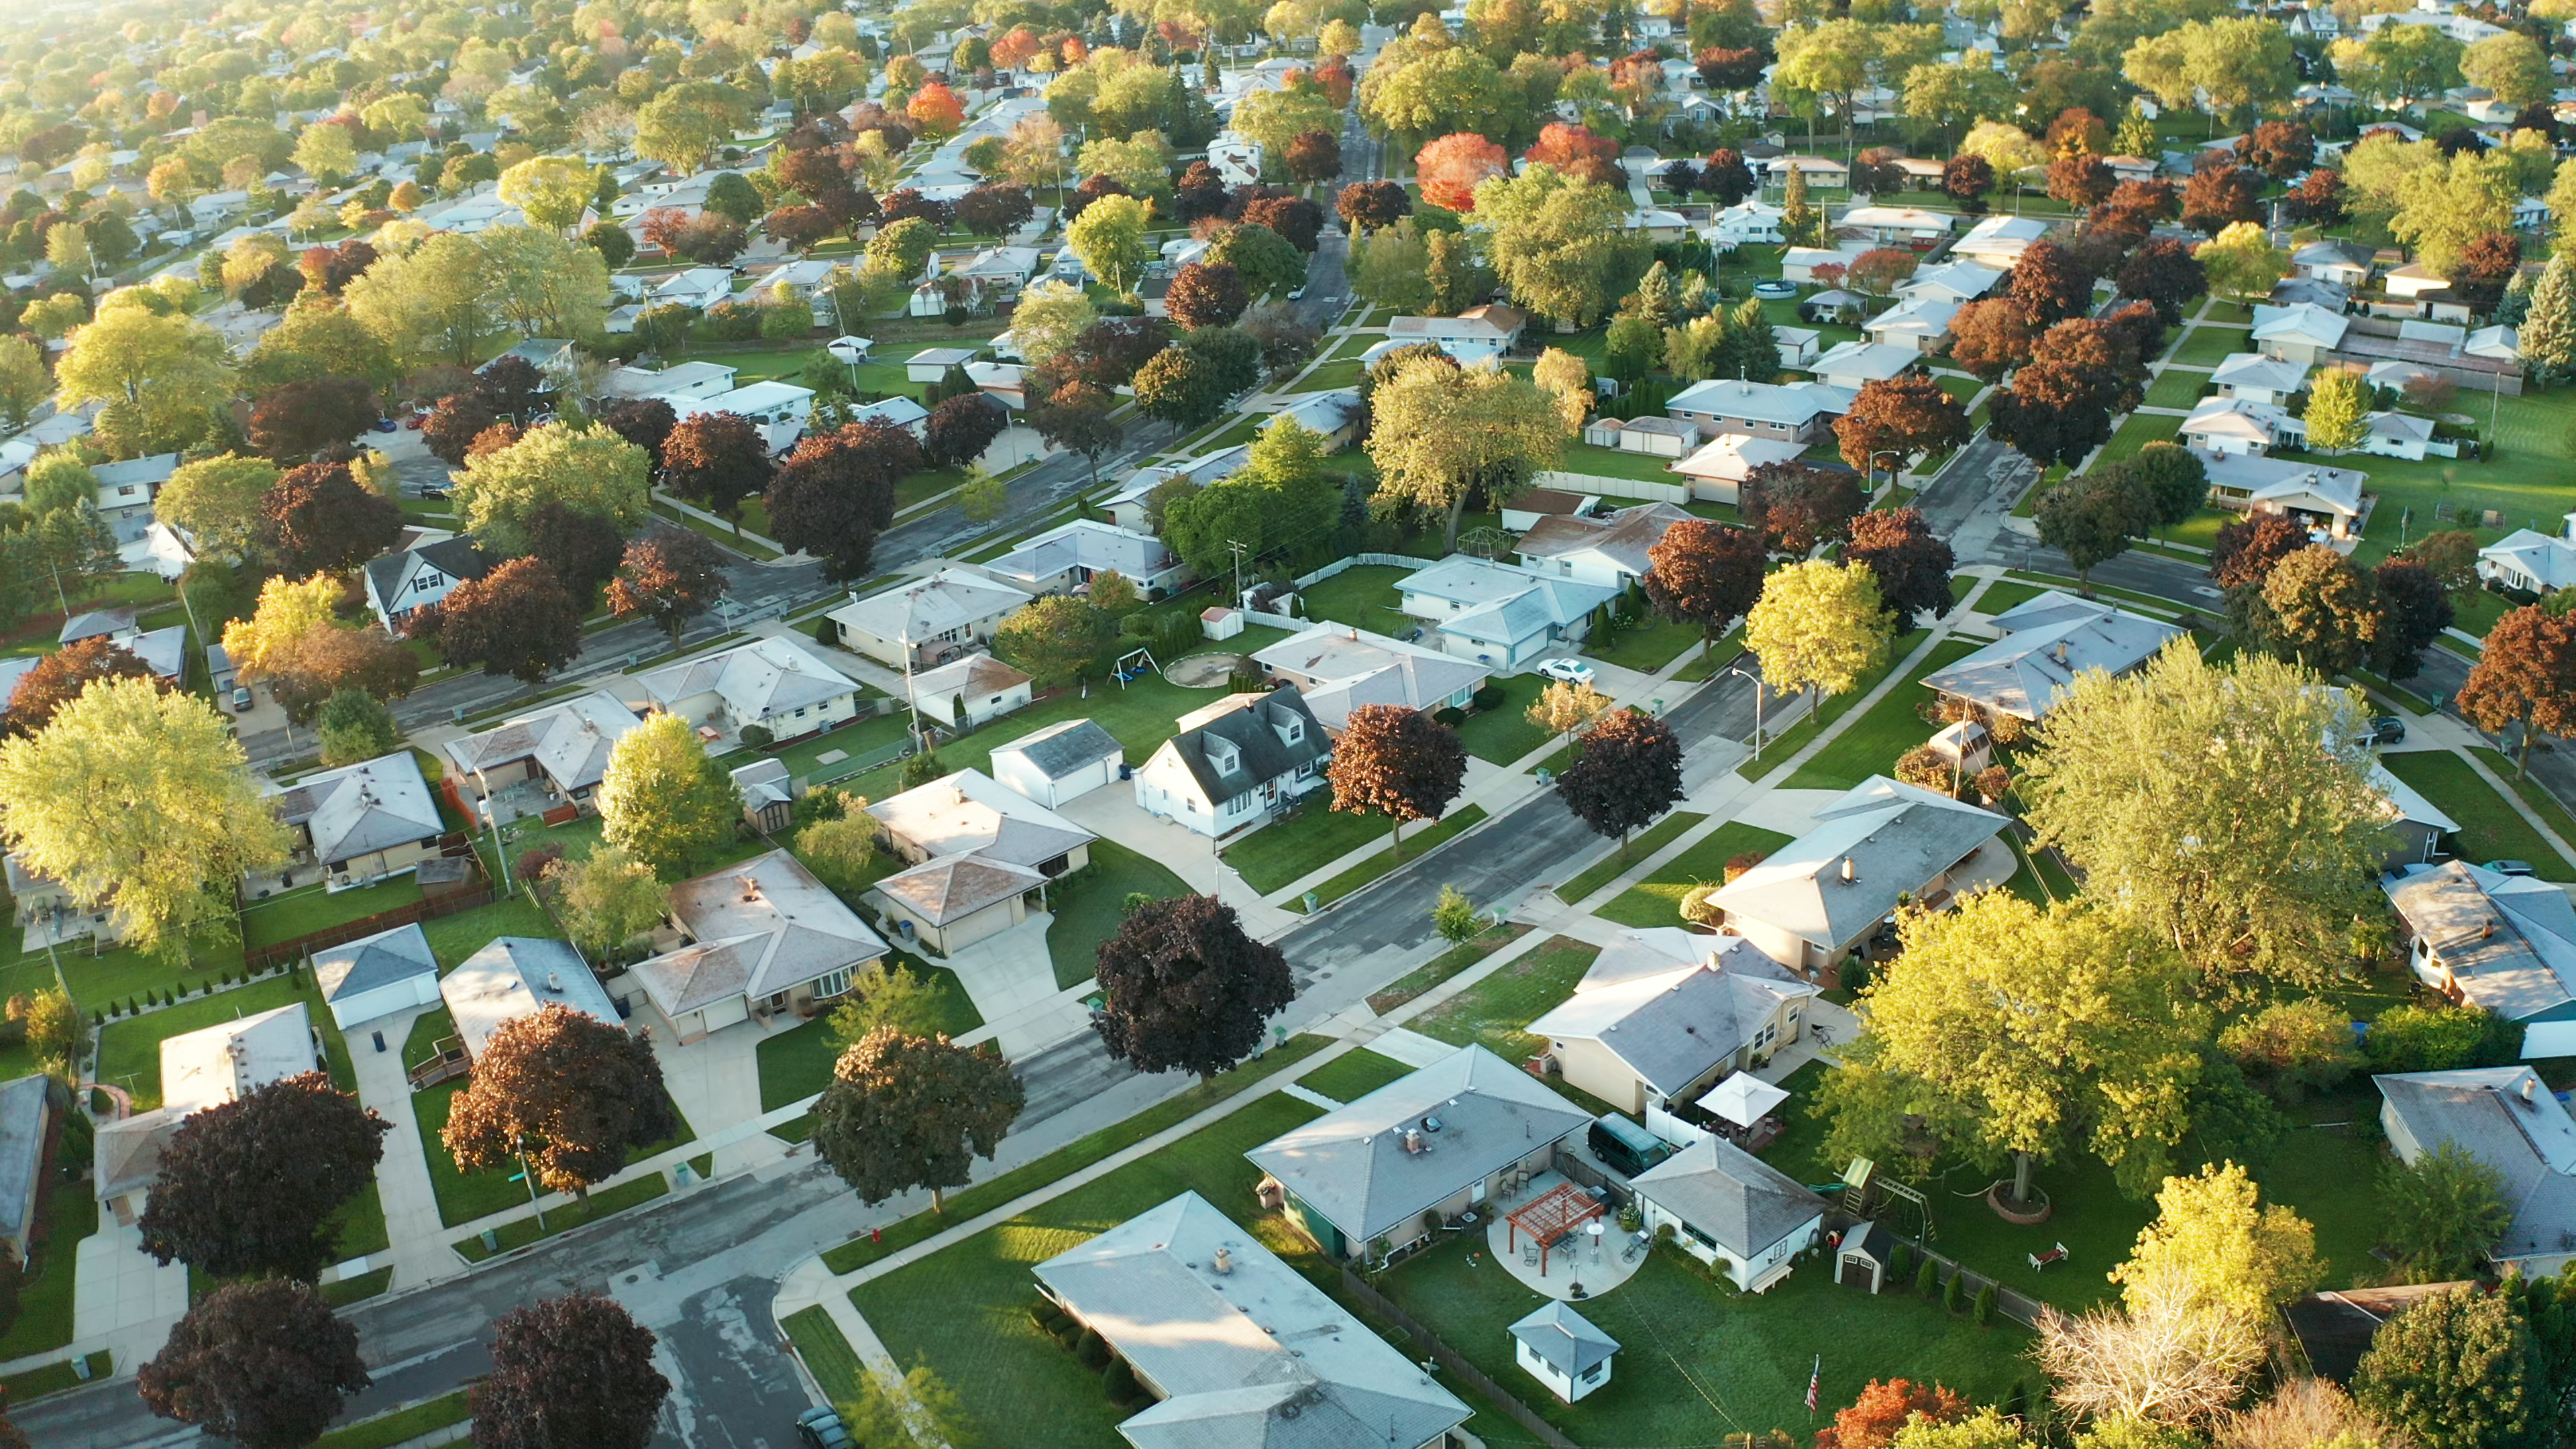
1431, 1124
1851, 873
1224, 1260
2529, 1084
554, 982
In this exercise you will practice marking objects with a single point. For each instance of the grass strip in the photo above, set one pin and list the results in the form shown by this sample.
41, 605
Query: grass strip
1447, 964
53, 1378
1784, 744
386, 1430
1386, 860
1658, 835
2533, 793
1073, 1157
794, 1129
520, 1232
354, 1290
827, 1354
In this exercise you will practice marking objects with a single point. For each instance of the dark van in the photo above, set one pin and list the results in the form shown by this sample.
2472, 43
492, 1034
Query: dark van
1625, 1147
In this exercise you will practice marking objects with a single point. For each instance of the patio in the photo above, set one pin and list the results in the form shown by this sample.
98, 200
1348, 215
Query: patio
1576, 1263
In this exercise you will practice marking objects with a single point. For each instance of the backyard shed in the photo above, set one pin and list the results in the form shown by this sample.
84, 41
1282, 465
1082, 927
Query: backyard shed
377, 975
1561, 1349
1861, 1260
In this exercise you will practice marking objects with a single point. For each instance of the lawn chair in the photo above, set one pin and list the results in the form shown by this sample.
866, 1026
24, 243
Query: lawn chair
1529, 1255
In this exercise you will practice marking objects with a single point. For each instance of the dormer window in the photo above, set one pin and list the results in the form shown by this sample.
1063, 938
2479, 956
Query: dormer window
1292, 730
1222, 754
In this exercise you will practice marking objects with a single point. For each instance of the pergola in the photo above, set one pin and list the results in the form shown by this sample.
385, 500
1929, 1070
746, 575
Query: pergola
1551, 1216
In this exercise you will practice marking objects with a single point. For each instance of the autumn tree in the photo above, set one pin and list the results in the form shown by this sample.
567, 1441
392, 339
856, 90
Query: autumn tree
2080, 180
1565, 706
1873, 1420
454, 424
2221, 195
1450, 168
1439, 432
2247, 547
1184, 986
1991, 337
1705, 573
2278, 149
570, 1095
318, 518
1966, 180
1207, 295
2252, 760
583, 548
2416, 610
1902, 415
663, 800
1819, 626
518, 620
716, 460
58, 678
668, 576
2164, 274
961, 428
1627, 771
571, 1370
142, 804
2166, 1358
836, 491
2321, 611
2051, 284
264, 1364
1797, 506
1365, 206
2525, 677
1912, 563
299, 419
904, 1112
251, 1186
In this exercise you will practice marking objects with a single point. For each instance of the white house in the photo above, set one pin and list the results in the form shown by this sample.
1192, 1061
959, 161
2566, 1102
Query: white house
516, 976
895, 412
1060, 763
2346, 264
199, 1069
540, 760
1729, 1208
403, 582
2329, 501
1908, 224
680, 379
1234, 762
776, 683
699, 287
1610, 551
1960, 282
363, 822
1919, 324
2397, 435
1718, 470
2240, 426
1336, 668
2537, 563
779, 409
1999, 241
1854, 365
927, 621
931, 364
972, 689
1561, 1349
978, 859
1478, 333
763, 938
1334, 416
1749, 220
2260, 377
1498, 614
2048, 642
1801, 412
1653, 436
2300, 331
1063, 559
377, 975
1663, 1013
126, 491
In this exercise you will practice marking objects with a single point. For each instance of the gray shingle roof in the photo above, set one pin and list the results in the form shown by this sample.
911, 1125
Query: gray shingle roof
2507, 1118
456, 557
778, 926
2023, 673
382, 959
2508, 941
1896, 838
1252, 724
1671, 1029
1063, 748
369, 806
1564, 1340
1746, 1204
22, 1149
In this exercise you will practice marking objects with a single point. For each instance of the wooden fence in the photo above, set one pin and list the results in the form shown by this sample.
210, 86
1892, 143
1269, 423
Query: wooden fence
261, 958
1450, 1359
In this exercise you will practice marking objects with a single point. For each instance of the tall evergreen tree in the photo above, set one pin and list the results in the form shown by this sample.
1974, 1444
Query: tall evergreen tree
2549, 331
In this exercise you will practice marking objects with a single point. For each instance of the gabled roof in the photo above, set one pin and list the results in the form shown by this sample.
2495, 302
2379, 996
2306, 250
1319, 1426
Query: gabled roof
1563, 1339
1502, 603
1341, 668
220, 1063
761, 927
1963, 280
1086, 544
969, 811
2509, 941
1351, 1165
1063, 748
2507, 1118
2241, 418
2023, 673
570, 741
1250, 1353
1790, 404
754, 679
1869, 361
1746, 1204
1895, 838
924, 609
455, 557
1621, 540
1256, 727
2256, 369
516, 976
369, 806
2284, 480
2300, 322
1733, 456
968, 674
2548, 559
369, 962
1674, 1028
1916, 317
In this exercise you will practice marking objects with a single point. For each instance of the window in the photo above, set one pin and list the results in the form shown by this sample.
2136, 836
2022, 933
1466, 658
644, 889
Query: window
832, 983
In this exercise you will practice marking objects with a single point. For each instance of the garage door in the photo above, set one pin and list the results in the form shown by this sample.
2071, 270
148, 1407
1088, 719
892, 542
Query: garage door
724, 1013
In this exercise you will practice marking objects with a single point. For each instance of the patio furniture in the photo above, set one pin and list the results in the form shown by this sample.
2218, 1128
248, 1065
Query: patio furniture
1553, 1217
1529, 1255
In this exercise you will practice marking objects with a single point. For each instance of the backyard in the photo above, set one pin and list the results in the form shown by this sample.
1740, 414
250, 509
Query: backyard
1362, 595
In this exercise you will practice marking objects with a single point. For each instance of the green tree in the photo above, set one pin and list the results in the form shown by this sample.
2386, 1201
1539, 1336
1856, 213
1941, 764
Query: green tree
2338, 410
608, 898
663, 801
905, 1112
1440, 432
2007, 1033
1819, 626
2442, 208
354, 725
2458, 1370
319, 338
684, 125
543, 285
842, 850
327, 150
162, 373
553, 191
187, 820
24, 381
2512, 65
900, 250
1560, 245
1049, 316
2443, 1214
2094, 518
885, 995
1110, 239
58, 480
2213, 1233
2549, 329
2228, 808
1055, 639
589, 469
428, 304
1454, 917
2242, 262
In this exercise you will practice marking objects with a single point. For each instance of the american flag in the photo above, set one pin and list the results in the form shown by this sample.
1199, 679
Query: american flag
1815, 1381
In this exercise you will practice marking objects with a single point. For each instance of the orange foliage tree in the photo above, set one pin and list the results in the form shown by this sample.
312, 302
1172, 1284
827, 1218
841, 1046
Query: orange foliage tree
1449, 168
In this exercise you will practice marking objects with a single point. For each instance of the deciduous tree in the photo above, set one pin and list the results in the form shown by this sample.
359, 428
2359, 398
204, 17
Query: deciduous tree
2221, 194
1798, 506
2164, 274
354, 726
1873, 1420
58, 679
1205, 295
1398, 762
250, 1186
571, 1370
2050, 283
1184, 986
1912, 564
582, 548
1559, 243
218, 501
2175, 1361
904, 1112
2240, 261
1705, 573
2458, 1370
2338, 411
2416, 610
517, 620
1819, 626
836, 490
1439, 431
2215, 1236
1449, 169
588, 467
2443, 1214
1991, 337
299, 419
668, 576
1627, 771
1903, 415
2321, 611
570, 1095
1365, 206
2526, 677
318, 518
264, 1364
2247, 547
663, 800
716, 460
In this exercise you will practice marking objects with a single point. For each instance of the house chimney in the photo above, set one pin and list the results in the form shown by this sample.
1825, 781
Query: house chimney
1413, 1140
1849, 873
2529, 1081
2061, 651
1224, 1261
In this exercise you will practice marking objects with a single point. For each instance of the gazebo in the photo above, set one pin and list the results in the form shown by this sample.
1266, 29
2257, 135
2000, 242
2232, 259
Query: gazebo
1552, 1216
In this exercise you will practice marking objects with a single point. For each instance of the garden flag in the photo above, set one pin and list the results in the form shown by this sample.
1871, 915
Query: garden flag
1815, 1379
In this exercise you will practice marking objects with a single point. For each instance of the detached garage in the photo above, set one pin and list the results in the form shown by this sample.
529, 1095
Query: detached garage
377, 975
1060, 763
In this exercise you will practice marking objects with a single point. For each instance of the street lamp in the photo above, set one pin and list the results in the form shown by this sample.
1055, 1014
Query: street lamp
1757, 705
1893, 473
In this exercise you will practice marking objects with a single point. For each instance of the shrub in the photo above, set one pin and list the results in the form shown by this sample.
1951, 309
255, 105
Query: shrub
1739, 864
734, 321
1927, 1279
1046, 1315
13, 1034
826, 632
1450, 717
1120, 1381
758, 737
2425, 1038
1984, 1312
1954, 1291
1092, 1352
1993, 781
1900, 1261
1696, 908
1491, 697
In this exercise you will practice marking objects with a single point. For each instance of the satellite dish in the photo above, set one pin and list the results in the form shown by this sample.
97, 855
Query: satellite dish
851, 350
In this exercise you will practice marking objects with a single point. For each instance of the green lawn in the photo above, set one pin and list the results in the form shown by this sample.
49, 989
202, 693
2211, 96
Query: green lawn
402, 1426
45, 1294
1443, 966
1615, 463
1090, 905
2525, 480
828, 1357
2210, 346
1657, 900
2490, 828
1362, 595
303, 912
1658, 835
121, 973
1870, 744
1503, 734
852, 740
1354, 1075
1344, 883
2531, 791
2177, 389
796, 1063
1332, 376
453, 938
2134, 435
53, 1378
2003, 595
1492, 1012
1780, 744
462, 1197
129, 1052
1648, 645
1316, 836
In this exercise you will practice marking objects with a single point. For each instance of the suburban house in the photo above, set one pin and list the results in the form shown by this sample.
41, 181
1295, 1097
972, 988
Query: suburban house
2503, 942
365, 821
1472, 336
126, 490
164, 650
410, 579
2300, 332
376, 976
930, 364
1907, 224
779, 409
1337, 668
2335, 1326
1813, 900
540, 761
2240, 426
763, 937
978, 859
1663, 1013
1060, 763
680, 379
2047, 642
2415, 828
2537, 563
1960, 282
199, 1069
26, 1128
895, 412
927, 621
1999, 241
1749, 220
1609, 551
2260, 377
1718, 470
516, 976
1235, 761
1498, 614
1530, 507
774, 682
1236, 1346
1656, 437
1561, 1349
699, 287
1854, 365
1729, 1208
1066, 558
1334, 416
1919, 324
2399, 435
2507, 1118
1799, 412
2328, 501
1004, 382
2347, 264
1381, 1174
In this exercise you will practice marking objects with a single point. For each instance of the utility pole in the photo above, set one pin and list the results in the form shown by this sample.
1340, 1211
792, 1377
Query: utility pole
1236, 549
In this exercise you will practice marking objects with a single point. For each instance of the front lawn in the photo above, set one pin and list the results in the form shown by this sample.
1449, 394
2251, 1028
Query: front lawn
2177, 389
1354, 1075
45, 1293
1601, 872
2210, 346
2490, 828
1492, 1012
1503, 734
797, 1063
1440, 968
1347, 881
1870, 744
1090, 904
2134, 435
1316, 836
1647, 645
463, 1197
1657, 900
1781, 744
1362, 595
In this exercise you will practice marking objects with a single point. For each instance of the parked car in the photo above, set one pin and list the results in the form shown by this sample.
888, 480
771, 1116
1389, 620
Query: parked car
241, 699
1572, 671
1624, 1147
1296, 294
2510, 867
820, 1428
1775, 289
387, 425
414, 421
2387, 729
